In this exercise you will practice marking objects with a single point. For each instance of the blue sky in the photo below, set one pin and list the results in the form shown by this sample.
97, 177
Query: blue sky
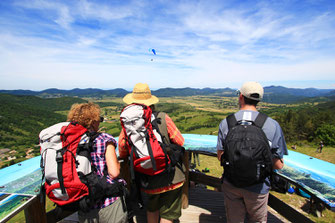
106, 44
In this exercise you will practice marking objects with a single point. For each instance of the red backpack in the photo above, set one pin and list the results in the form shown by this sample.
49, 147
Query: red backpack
70, 177
147, 152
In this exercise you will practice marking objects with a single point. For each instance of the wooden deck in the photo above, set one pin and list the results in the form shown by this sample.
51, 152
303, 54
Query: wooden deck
205, 206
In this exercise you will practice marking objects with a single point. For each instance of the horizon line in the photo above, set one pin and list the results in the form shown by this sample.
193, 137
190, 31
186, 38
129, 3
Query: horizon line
155, 89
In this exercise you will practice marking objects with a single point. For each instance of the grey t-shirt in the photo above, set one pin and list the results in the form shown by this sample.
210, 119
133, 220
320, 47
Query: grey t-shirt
272, 131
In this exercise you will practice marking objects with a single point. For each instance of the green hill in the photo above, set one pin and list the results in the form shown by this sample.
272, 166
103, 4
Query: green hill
23, 117
272, 94
311, 122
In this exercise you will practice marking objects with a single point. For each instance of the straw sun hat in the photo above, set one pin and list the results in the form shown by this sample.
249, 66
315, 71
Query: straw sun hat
142, 95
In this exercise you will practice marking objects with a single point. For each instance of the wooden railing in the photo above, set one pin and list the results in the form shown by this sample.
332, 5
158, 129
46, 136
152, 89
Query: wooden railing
317, 205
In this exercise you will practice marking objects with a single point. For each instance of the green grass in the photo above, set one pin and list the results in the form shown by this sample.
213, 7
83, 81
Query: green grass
20, 217
212, 163
302, 204
328, 153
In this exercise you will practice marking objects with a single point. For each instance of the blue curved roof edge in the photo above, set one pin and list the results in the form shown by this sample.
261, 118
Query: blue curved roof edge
318, 169
18, 170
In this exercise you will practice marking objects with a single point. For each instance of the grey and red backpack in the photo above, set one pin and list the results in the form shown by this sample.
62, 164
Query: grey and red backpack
71, 180
152, 155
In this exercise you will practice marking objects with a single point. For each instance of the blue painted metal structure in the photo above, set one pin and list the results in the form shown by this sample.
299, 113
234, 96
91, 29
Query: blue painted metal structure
24, 177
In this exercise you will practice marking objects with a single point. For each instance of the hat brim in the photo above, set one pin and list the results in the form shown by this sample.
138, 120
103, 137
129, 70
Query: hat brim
129, 99
252, 98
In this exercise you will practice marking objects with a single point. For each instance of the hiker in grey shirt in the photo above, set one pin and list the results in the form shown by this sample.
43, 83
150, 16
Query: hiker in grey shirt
251, 202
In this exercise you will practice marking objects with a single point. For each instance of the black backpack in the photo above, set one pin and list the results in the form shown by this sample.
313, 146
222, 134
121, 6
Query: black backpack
279, 184
247, 158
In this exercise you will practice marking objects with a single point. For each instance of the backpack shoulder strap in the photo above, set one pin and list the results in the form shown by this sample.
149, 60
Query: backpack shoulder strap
160, 125
231, 121
260, 119
90, 145
92, 136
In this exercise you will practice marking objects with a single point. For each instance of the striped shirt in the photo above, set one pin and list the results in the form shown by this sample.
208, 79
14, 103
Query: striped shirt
99, 161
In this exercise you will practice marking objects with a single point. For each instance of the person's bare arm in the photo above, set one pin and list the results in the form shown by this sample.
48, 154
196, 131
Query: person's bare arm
113, 165
123, 151
278, 163
219, 154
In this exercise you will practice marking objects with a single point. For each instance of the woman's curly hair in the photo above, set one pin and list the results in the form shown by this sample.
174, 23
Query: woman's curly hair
84, 114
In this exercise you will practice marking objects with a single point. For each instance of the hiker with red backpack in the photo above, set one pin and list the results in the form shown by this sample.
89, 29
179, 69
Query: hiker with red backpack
81, 167
154, 145
250, 146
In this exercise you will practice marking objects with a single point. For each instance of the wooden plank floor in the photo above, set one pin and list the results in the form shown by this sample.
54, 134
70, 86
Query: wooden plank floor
205, 206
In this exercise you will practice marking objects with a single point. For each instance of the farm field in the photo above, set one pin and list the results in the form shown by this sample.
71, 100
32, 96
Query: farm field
193, 114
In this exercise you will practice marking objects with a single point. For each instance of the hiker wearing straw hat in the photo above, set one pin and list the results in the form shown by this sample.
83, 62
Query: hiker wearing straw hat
141, 94
164, 189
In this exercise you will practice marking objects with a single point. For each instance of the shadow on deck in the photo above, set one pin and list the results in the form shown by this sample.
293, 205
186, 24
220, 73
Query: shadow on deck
205, 206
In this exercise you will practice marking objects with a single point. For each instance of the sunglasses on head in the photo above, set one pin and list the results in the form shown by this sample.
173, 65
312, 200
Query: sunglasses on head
238, 92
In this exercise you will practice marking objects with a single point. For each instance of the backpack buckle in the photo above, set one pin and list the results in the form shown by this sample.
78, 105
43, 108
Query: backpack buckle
59, 157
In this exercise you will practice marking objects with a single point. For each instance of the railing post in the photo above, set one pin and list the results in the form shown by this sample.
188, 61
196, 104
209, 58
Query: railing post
35, 212
124, 171
186, 184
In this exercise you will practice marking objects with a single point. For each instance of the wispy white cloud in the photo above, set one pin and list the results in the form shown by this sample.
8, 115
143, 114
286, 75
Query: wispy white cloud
203, 43
90, 10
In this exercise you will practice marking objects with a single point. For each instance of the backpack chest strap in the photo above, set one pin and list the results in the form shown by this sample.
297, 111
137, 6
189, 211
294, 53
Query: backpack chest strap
259, 121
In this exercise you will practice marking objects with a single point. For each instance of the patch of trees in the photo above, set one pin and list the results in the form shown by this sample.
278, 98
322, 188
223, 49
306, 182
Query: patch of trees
199, 120
174, 109
312, 124
23, 117
108, 104
50, 104
198, 126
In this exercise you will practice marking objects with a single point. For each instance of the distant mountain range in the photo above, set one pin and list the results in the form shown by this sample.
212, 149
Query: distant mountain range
273, 94
76, 92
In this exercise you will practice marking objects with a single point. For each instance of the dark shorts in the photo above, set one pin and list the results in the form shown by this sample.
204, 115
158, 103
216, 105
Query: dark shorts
113, 213
168, 204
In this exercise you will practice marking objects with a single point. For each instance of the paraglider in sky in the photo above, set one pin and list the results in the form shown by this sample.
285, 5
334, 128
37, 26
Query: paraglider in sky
152, 51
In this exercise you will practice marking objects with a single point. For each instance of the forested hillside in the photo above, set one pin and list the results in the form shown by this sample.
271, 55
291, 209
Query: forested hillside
23, 117
272, 94
311, 123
